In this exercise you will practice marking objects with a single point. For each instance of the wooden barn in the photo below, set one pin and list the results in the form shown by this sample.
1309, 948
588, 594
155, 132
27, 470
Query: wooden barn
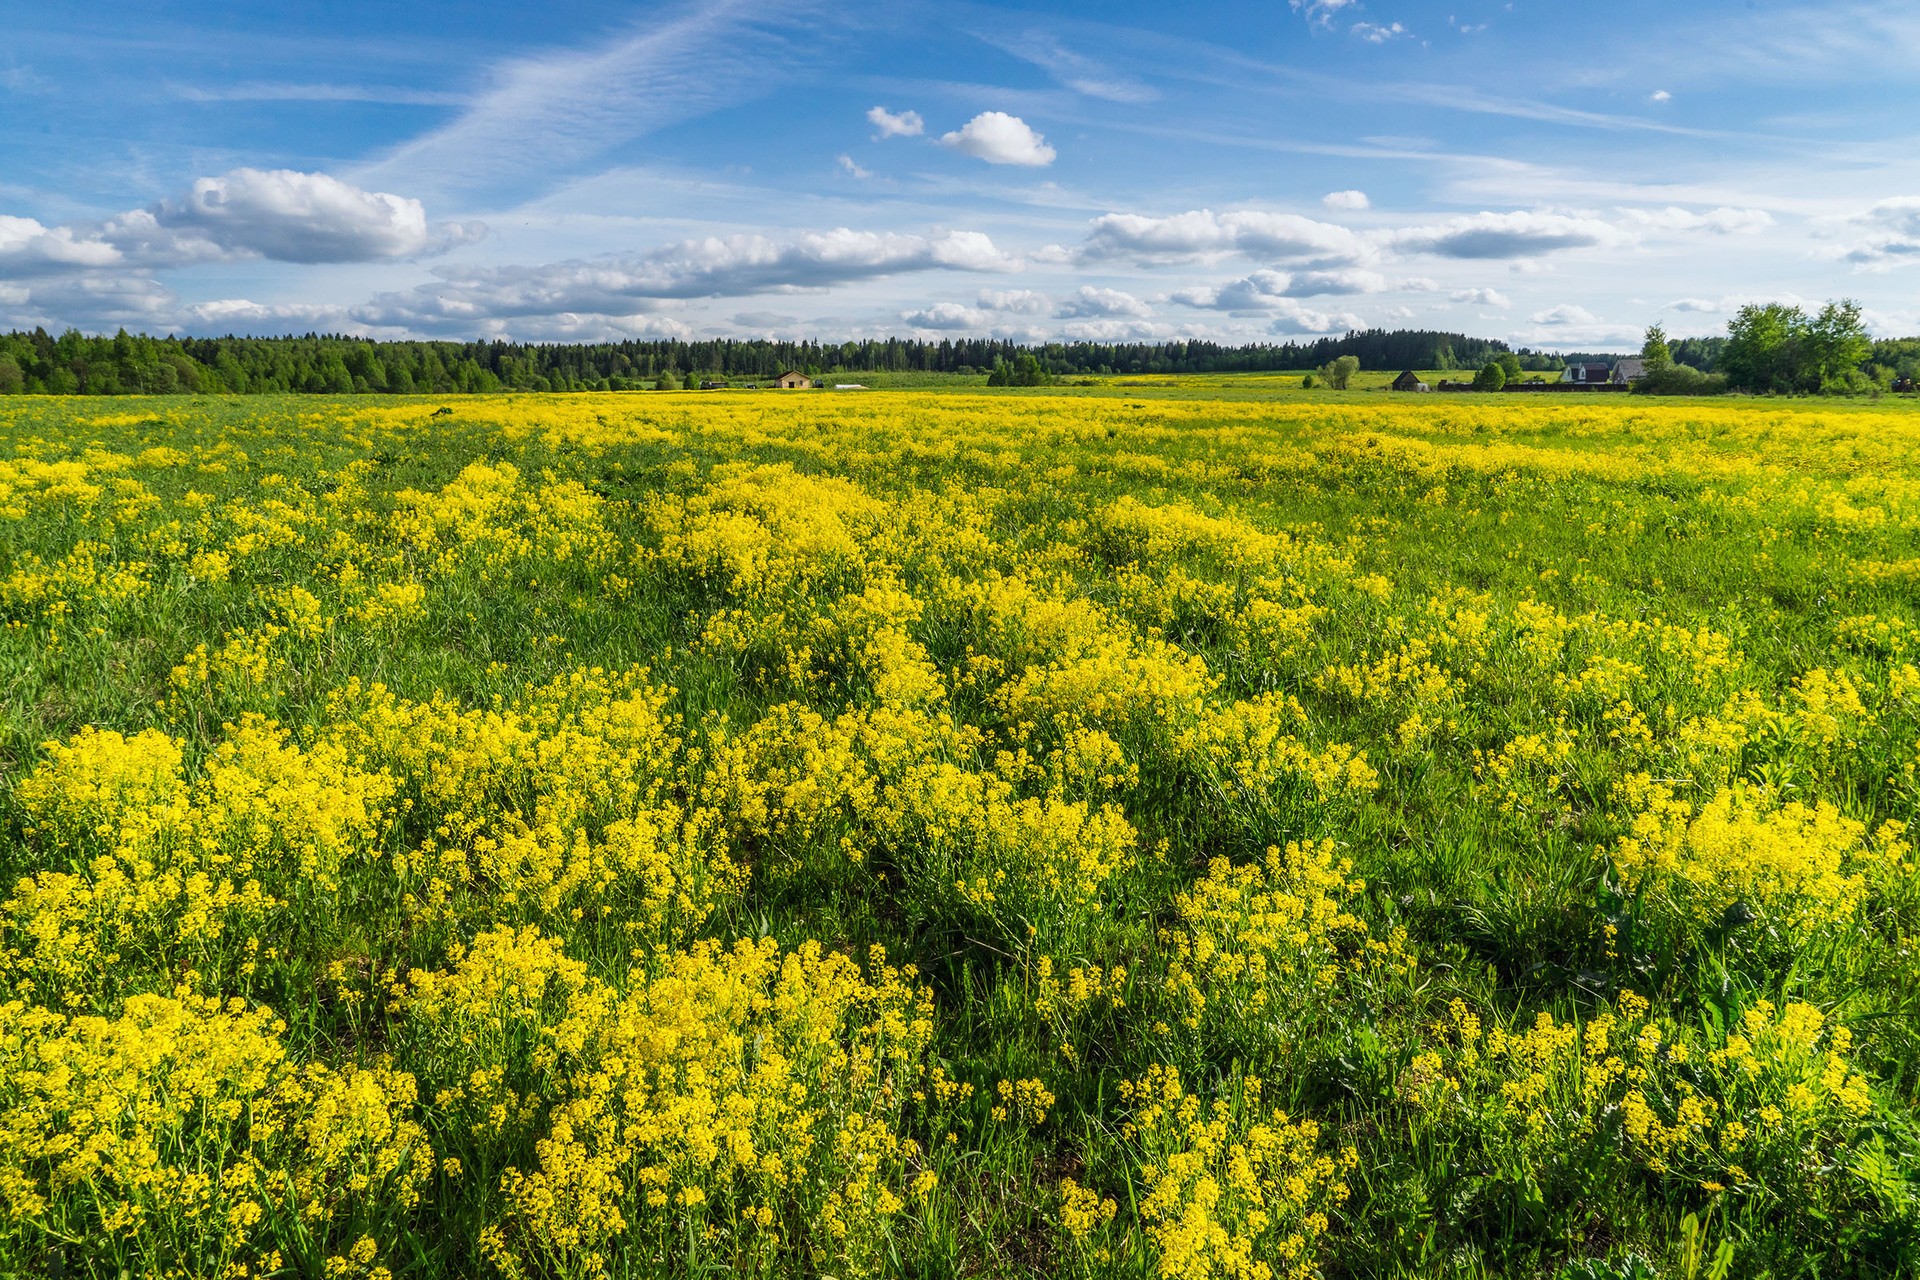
1410, 381
791, 379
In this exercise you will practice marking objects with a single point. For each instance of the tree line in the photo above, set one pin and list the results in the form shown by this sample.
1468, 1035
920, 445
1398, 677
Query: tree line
79, 364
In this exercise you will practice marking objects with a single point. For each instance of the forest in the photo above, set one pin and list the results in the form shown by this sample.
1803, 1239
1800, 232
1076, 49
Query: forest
125, 364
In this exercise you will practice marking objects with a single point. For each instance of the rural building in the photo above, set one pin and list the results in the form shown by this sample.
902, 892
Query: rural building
1628, 370
1410, 381
1586, 374
792, 378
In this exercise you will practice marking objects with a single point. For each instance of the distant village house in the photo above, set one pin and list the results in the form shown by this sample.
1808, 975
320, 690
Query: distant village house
791, 379
1629, 369
1586, 374
1410, 381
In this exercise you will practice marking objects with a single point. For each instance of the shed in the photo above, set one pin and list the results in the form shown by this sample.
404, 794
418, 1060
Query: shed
791, 379
1410, 381
1628, 369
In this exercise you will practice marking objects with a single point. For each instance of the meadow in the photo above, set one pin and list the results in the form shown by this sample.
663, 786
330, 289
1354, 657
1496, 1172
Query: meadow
1126, 832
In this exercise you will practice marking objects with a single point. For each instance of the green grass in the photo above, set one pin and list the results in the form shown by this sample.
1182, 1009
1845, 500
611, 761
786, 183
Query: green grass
1016, 615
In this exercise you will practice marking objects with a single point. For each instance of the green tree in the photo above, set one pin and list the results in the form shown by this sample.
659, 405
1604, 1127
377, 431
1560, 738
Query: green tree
1490, 378
1763, 347
1834, 345
1339, 371
1654, 352
1509, 365
11, 378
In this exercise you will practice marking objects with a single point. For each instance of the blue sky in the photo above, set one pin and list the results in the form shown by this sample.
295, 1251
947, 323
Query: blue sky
1556, 174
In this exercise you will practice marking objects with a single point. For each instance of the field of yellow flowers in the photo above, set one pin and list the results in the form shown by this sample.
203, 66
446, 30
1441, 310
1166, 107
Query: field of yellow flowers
1122, 834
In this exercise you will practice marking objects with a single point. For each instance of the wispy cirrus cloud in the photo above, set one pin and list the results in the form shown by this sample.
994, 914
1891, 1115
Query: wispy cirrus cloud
546, 113
294, 91
1072, 70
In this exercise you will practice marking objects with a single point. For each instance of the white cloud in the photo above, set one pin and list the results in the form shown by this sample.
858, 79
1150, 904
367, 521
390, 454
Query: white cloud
1346, 280
1090, 303
1888, 235
907, 124
1566, 314
291, 216
848, 166
1508, 235
1298, 321
1274, 291
1659, 95
1708, 306
545, 115
1074, 70
1374, 33
1116, 330
1346, 200
635, 285
280, 214
765, 321
1481, 297
1257, 291
27, 249
1321, 12
1024, 302
244, 316
944, 316
1722, 221
1203, 233
998, 138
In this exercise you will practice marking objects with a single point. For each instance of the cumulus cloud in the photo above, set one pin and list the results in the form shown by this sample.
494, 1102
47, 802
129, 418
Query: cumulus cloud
716, 266
767, 320
1202, 233
1024, 302
1269, 290
281, 214
1375, 33
1659, 95
291, 216
907, 124
1108, 329
1563, 315
1296, 320
1508, 235
852, 169
1722, 221
1481, 297
1091, 303
998, 138
1707, 306
945, 316
1346, 200
28, 248
1886, 235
